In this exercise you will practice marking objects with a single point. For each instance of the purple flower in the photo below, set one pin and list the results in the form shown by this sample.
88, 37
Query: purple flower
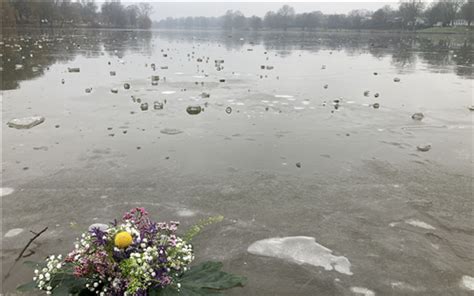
99, 236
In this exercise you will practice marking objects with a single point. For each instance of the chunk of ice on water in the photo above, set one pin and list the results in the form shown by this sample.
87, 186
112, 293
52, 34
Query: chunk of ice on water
25, 122
301, 250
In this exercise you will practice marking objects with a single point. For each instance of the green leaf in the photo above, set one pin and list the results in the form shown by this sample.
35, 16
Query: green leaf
197, 228
27, 287
209, 275
204, 279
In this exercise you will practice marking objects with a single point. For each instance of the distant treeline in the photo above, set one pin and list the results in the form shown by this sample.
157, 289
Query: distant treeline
67, 13
409, 15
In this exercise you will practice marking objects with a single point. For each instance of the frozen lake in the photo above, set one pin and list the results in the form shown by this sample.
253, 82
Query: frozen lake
304, 140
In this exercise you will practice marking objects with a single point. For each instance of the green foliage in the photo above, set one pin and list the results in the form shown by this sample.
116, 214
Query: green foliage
204, 279
196, 229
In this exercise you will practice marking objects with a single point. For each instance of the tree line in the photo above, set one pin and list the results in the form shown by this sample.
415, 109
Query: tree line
410, 14
67, 13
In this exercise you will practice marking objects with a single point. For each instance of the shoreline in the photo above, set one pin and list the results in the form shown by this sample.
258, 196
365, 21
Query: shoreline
431, 30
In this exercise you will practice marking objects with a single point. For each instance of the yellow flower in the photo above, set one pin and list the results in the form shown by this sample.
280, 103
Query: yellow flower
123, 239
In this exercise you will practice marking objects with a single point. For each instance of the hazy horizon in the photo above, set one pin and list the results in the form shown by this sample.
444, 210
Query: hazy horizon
162, 10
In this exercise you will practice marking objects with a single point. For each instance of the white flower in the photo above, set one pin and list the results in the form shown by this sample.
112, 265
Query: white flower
178, 285
96, 285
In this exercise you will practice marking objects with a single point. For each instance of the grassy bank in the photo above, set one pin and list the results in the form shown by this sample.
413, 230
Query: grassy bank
448, 30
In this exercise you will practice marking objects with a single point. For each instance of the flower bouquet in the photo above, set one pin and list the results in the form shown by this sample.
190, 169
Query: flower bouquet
134, 257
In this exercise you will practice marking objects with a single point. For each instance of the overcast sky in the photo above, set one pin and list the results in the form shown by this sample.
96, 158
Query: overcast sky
217, 8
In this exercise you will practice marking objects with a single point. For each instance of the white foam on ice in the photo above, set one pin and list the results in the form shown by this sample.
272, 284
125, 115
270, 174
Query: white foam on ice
283, 96
467, 282
4, 191
301, 250
362, 291
418, 223
168, 92
13, 232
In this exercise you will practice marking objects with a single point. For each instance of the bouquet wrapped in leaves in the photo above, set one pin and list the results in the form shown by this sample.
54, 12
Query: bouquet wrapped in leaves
133, 257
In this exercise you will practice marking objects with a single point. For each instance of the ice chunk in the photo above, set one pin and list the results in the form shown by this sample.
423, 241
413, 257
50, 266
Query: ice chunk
25, 122
301, 250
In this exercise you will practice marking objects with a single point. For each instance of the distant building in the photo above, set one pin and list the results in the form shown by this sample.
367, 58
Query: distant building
460, 23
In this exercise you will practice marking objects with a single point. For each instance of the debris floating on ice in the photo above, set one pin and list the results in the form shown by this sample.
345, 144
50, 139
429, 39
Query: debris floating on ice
301, 250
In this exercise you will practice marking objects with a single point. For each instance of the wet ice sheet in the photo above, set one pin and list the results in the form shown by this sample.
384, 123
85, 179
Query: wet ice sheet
302, 250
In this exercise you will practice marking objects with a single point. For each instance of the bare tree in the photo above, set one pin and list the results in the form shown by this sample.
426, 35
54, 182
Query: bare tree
410, 11
285, 16
450, 10
467, 11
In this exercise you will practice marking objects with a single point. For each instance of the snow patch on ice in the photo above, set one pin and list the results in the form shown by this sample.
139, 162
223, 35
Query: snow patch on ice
467, 282
4, 191
185, 213
301, 250
168, 92
13, 232
362, 291
418, 223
